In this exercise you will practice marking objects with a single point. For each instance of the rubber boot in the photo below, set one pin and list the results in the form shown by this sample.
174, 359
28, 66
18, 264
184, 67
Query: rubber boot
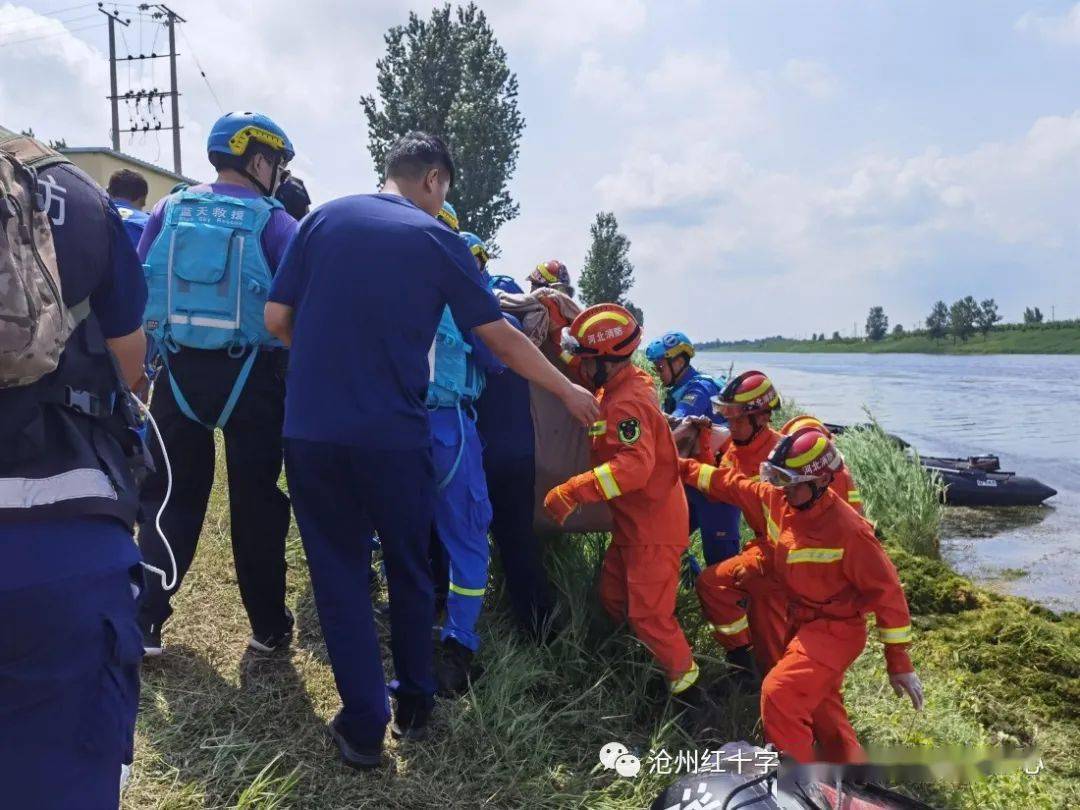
743, 671
411, 715
453, 669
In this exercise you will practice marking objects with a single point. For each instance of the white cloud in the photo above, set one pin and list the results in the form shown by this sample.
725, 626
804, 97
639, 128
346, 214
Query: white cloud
812, 78
1061, 28
552, 28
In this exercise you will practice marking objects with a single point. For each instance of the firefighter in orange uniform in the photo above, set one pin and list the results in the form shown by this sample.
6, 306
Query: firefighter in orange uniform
637, 473
742, 606
842, 483
835, 572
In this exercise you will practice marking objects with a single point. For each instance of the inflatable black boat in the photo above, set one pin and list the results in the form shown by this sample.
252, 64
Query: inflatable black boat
977, 480
980, 481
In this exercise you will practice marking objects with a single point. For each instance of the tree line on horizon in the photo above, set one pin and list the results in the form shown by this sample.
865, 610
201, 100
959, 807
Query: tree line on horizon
961, 320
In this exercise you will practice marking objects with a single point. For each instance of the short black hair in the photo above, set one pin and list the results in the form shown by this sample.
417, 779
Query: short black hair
292, 193
128, 185
415, 153
239, 163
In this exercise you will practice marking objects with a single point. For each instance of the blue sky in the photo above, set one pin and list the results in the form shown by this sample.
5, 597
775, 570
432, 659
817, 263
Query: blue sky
778, 166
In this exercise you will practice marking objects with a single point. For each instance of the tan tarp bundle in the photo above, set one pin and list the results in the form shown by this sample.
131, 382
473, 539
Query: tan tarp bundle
562, 445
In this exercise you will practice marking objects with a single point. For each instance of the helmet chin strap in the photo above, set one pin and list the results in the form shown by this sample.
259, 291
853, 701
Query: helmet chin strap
267, 192
817, 491
754, 433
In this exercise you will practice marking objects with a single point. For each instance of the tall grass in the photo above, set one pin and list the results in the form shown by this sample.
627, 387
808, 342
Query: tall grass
901, 497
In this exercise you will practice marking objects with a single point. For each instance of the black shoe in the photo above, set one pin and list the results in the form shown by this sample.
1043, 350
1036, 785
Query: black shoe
272, 642
151, 641
743, 671
361, 757
411, 716
453, 669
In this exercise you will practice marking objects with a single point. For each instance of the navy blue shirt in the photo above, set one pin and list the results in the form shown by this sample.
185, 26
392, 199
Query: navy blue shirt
368, 277
99, 263
504, 416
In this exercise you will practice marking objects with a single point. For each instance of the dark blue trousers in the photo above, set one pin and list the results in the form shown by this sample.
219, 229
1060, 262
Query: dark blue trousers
510, 483
719, 524
341, 494
69, 691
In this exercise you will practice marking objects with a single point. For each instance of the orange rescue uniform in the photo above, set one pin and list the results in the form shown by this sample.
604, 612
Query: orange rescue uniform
637, 472
741, 603
835, 572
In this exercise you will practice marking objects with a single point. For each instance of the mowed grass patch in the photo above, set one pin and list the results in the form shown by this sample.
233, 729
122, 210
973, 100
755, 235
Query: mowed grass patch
221, 728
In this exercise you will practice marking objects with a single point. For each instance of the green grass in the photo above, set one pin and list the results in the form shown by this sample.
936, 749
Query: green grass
220, 728
1047, 340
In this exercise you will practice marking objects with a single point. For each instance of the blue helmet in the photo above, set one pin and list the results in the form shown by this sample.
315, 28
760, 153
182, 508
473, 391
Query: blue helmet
476, 246
448, 215
669, 345
232, 133
504, 283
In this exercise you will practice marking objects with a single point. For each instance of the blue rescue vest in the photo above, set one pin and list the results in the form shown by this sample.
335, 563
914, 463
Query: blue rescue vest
455, 378
208, 281
712, 384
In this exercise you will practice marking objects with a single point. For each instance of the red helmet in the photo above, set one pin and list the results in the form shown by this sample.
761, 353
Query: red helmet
550, 273
606, 331
750, 392
799, 422
806, 456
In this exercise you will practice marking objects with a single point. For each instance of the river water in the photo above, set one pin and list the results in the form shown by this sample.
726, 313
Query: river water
1023, 408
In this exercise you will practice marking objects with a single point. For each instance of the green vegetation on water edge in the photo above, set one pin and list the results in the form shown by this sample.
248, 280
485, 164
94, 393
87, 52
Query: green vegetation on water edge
1044, 340
219, 727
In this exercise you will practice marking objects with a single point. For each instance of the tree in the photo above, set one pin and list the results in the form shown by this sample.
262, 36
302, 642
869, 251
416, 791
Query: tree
1033, 315
608, 274
938, 322
448, 76
877, 323
836, 336
898, 330
987, 316
962, 317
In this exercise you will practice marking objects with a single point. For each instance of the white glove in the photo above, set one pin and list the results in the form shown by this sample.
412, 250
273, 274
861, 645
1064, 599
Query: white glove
908, 684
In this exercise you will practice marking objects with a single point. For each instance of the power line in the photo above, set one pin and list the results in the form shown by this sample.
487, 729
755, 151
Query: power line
42, 24
201, 71
54, 34
34, 15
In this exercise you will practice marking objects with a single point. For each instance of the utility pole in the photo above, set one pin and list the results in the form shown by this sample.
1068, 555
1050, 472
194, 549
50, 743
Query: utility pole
114, 18
172, 18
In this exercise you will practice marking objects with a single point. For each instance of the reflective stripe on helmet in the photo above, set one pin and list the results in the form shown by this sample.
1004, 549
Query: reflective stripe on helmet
238, 143
599, 316
805, 458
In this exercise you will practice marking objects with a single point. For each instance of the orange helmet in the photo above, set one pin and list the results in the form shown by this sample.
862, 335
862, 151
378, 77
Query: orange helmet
549, 274
603, 331
750, 392
805, 456
798, 422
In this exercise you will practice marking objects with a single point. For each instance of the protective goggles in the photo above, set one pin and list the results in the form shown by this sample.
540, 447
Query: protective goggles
781, 477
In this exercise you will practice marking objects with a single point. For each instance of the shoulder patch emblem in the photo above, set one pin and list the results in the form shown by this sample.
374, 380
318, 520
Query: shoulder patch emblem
629, 431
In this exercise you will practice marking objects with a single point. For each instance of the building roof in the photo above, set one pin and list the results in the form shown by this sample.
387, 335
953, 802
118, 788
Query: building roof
83, 150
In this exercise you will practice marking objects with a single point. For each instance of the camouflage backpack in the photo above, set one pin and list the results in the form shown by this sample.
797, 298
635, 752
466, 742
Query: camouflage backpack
34, 322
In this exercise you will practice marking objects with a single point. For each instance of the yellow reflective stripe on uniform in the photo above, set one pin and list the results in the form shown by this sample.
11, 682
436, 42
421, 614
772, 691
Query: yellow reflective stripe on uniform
771, 528
687, 680
600, 316
805, 458
854, 496
598, 428
895, 635
566, 357
815, 555
466, 591
733, 628
608, 485
704, 477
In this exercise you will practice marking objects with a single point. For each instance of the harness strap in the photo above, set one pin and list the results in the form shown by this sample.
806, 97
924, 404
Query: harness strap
230, 403
460, 452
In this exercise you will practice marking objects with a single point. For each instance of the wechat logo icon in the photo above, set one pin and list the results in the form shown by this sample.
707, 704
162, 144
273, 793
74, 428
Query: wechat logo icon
615, 757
